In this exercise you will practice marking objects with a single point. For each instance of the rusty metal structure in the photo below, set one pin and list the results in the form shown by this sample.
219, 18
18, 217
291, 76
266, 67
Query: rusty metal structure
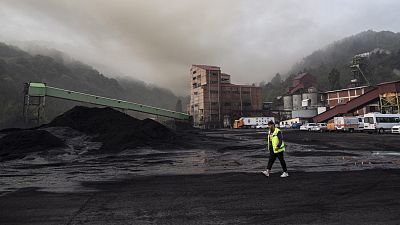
387, 94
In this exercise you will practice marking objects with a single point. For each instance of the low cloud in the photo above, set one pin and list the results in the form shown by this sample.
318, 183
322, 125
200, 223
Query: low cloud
156, 41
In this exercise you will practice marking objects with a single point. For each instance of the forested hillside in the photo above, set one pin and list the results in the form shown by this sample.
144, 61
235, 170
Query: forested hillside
18, 67
332, 63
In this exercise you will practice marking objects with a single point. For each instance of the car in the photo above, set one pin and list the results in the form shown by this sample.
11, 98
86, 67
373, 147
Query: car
321, 127
284, 126
262, 126
308, 126
296, 125
396, 129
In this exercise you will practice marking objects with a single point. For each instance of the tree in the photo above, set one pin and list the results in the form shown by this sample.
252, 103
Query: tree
178, 106
277, 80
334, 79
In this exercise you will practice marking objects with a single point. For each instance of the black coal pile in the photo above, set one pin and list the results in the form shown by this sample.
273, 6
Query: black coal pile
19, 143
116, 130
184, 126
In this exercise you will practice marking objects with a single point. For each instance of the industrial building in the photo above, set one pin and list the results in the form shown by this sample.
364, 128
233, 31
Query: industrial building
303, 99
361, 97
342, 96
215, 102
386, 94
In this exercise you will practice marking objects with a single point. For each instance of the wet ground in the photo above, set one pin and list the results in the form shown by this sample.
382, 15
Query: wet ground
218, 182
64, 169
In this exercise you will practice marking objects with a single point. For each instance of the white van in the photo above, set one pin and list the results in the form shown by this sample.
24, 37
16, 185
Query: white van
378, 122
360, 123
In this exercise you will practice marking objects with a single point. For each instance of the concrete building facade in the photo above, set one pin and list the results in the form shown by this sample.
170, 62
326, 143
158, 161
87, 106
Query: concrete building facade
303, 99
215, 102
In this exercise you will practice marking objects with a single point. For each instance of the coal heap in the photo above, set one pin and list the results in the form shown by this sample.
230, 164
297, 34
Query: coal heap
116, 130
19, 143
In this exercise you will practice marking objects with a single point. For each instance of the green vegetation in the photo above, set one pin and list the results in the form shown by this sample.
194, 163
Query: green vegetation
331, 65
18, 67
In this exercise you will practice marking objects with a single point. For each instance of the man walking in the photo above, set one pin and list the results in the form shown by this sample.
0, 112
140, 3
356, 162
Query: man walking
276, 147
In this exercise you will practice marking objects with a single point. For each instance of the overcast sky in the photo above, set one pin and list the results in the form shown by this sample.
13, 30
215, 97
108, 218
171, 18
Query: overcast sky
156, 41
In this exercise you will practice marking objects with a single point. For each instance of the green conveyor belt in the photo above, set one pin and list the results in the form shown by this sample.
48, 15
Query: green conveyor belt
42, 90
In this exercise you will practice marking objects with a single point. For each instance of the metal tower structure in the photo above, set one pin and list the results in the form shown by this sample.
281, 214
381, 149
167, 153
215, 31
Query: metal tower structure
359, 63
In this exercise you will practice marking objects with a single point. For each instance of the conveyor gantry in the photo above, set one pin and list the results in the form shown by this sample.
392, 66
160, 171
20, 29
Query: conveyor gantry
35, 94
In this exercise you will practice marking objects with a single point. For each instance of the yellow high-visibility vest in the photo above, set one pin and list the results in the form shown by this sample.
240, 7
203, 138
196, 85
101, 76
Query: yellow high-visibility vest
275, 140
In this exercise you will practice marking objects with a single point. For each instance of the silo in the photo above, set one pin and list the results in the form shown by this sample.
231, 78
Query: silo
297, 101
313, 98
288, 102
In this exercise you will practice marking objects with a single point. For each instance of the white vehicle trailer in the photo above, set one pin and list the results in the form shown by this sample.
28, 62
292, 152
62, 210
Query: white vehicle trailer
350, 124
361, 122
378, 122
252, 122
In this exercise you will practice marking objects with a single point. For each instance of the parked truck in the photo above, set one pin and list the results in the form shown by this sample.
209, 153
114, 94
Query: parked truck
350, 124
252, 122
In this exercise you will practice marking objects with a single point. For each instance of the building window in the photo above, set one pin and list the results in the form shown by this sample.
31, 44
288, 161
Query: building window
196, 85
214, 103
194, 72
214, 92
214, 73
195, 93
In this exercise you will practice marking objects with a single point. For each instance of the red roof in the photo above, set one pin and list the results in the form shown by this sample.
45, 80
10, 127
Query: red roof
207, 67
298, 87
300, 76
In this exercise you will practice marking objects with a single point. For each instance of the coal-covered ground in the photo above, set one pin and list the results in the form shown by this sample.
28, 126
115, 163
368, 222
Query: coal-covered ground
351, 197
197, 177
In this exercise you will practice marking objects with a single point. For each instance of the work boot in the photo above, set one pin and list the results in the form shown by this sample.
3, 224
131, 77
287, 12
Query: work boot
285, 174
266, 173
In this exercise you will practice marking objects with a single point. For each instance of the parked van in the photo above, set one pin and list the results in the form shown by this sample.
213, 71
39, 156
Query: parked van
378, 122
361, 123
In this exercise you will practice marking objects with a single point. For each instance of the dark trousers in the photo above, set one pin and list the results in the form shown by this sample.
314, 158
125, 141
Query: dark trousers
272, 158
